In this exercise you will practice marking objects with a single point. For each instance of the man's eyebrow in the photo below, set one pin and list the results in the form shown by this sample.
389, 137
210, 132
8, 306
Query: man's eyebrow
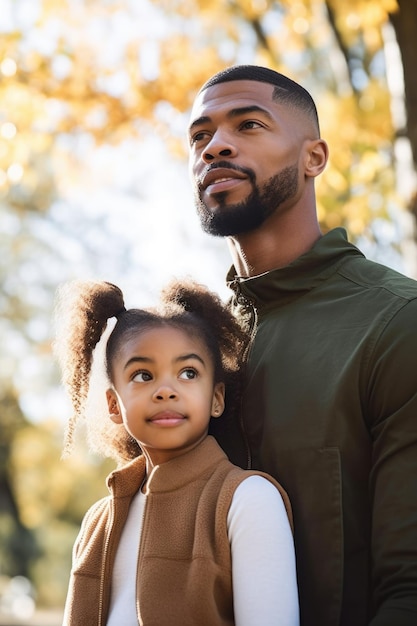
253, 108
204, 119
238, 111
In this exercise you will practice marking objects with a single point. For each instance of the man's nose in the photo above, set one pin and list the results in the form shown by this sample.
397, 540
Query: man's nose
219, 146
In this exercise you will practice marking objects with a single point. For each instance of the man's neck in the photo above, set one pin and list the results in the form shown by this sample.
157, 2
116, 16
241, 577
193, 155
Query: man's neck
266, 249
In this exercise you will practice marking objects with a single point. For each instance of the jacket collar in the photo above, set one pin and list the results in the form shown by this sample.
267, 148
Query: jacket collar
281, 286
126, 481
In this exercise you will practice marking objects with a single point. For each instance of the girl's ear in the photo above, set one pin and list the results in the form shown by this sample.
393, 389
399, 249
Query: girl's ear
217, 405
114, 409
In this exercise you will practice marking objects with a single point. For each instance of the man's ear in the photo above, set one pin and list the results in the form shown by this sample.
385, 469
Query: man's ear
317, 154
114, 408
217, 405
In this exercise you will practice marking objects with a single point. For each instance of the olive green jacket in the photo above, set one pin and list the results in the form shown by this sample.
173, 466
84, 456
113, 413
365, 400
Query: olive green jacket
330, 410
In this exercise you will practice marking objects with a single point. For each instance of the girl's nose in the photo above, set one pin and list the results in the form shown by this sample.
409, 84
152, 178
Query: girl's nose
165, 392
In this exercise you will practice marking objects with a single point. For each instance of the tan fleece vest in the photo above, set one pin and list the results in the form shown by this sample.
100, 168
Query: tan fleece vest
184, 569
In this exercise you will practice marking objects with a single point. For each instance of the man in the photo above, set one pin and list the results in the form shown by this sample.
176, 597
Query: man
330, 407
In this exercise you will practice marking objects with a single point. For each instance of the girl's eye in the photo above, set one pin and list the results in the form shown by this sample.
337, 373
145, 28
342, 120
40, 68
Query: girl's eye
189, 373
141, 377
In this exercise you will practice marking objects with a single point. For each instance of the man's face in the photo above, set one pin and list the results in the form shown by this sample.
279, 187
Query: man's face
244, 156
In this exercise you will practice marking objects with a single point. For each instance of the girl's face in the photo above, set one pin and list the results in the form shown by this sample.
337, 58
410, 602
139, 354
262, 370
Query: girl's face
164, 392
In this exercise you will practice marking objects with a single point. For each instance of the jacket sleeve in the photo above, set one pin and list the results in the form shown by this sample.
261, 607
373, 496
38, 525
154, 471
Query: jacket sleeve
392, 417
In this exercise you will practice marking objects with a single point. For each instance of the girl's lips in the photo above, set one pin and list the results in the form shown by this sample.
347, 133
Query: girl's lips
167, 418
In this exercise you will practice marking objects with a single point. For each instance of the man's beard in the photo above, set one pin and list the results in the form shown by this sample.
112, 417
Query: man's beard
230, 220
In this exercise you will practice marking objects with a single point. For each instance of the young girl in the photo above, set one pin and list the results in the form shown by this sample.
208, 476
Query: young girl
185, 537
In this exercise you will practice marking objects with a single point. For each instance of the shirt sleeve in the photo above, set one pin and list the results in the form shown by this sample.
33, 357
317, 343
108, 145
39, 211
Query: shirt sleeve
263, 558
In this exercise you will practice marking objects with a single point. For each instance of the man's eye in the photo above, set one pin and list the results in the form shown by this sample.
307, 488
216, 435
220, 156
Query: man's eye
250, 124
189, 373
198, 137
141, 377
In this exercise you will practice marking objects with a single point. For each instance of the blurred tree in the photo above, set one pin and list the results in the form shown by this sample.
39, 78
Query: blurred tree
72, 86
18, 544
404, 21
405, 24
52, 496
60, 83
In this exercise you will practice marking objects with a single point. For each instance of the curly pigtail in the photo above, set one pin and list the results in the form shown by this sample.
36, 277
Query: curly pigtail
231, 337
82, 311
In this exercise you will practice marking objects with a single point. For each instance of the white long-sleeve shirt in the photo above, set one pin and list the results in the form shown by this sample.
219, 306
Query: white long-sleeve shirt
263, 560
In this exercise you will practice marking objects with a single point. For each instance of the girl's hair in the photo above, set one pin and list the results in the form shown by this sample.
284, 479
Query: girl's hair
83, 310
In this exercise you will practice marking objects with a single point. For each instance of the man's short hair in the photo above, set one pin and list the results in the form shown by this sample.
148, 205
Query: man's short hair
285, 89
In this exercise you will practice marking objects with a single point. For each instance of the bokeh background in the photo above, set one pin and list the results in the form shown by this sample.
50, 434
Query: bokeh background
94, 101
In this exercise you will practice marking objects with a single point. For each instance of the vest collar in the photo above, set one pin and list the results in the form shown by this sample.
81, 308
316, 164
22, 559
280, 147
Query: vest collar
126, 481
